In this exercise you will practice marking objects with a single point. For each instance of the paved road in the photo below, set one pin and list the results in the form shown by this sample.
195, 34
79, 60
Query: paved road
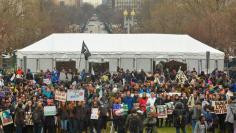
95, 27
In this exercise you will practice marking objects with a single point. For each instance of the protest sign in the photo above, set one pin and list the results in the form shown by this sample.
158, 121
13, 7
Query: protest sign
147, 95
170, 107
181, 78
220, 107
28, 118
136, 105
151, 109
173, 93
75, 95
60, 96
120, 109
162, 111
50, 110
6, 117
94, 114
125, 108
47, 81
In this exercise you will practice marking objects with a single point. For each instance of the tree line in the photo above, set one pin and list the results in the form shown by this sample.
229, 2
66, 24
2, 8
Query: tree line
23, 22
210, 21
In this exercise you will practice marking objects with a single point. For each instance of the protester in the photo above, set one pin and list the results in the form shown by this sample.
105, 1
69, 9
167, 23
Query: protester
201, 125
19, 118
133, 122
179, 115
231, 115
116, 98
37, 117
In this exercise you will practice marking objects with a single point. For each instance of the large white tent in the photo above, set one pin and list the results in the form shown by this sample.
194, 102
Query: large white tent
128, 51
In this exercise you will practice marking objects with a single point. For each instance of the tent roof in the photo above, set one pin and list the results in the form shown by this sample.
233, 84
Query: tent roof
69, 43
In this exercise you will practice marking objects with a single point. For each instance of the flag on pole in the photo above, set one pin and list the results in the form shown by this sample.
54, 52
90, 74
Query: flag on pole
180, 77
85, 51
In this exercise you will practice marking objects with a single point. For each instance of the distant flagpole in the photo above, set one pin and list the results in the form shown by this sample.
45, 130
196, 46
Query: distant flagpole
80, 56
86, 53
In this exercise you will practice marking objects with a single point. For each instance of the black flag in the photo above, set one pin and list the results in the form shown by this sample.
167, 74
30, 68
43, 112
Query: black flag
85, 51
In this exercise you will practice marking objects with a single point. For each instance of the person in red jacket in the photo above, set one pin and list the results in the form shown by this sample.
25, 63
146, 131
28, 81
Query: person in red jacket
143, 102
19, 72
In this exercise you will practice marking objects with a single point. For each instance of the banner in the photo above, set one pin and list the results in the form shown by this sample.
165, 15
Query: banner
47, 81
60, 96
75, 95
147, 94
136, 105
50, 110
120, 109
170, 107
94, 114
181, 77
151, 109
6, 117
28, 118
162, 111
174, 93
220, 107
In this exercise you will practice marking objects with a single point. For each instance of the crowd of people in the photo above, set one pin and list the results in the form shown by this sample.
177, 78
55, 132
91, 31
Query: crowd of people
25, 95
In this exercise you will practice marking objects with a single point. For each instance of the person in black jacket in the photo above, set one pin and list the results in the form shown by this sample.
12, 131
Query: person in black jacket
80, 115
19, 118
159, 101
63, 114
49, 121
179, 115
29, 75
37, 117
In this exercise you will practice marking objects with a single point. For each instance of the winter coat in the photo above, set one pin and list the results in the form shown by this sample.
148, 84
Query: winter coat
19, 116
231, 110
80, 113
180, 116
129, 101
63, 113
196, 113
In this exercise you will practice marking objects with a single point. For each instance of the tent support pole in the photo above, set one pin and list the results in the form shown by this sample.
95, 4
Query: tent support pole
79, 61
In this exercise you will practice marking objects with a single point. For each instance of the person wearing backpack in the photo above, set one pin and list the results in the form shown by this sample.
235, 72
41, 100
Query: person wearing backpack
179, 115
37, 117
19, 118
133, 122
231, 116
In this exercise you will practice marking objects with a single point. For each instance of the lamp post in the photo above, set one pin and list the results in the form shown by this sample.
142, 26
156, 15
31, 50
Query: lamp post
127, 20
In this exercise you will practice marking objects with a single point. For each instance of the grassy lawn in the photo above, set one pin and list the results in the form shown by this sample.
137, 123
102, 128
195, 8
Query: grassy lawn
172, 130
160, 130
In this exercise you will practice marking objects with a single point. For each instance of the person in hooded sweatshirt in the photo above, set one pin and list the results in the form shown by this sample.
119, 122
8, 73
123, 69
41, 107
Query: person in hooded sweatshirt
179, 115
231, 116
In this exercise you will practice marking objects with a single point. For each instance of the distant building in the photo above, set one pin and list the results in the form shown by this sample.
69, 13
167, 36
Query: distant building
67, 2
127, 4
95, 3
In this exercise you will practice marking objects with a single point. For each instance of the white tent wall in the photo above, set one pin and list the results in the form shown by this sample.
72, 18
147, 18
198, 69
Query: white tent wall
32, 64
45, 64
191, 63
144, 64
220, 64
128, 51
113, 63
127, 64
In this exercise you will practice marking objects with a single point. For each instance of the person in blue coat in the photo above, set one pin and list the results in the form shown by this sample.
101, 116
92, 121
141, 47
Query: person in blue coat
128, 100
55, 76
